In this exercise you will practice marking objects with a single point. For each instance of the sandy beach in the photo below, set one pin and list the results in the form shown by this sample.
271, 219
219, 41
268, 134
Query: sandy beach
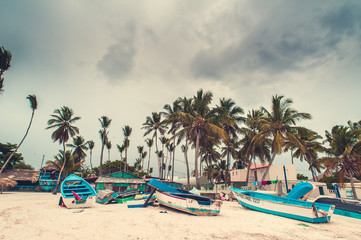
38, 216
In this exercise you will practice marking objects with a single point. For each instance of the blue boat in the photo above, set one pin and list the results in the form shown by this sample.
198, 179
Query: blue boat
48, 180
286, 207
106, 196
185, 201
77, 193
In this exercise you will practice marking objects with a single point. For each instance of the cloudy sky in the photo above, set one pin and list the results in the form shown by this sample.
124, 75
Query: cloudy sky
126, 59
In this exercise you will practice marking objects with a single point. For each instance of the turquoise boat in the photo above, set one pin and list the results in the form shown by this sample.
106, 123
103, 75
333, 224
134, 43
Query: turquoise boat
77, 193
285, 207
48, 180
185, 201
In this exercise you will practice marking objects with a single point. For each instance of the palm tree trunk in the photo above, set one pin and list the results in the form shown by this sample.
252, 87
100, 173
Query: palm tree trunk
352, 186
61, 171
149, 160
101, 160
267, 170
126, 159
248, 168
196, 160
227, 168
91, 165
187, 163
22, 140
173, 159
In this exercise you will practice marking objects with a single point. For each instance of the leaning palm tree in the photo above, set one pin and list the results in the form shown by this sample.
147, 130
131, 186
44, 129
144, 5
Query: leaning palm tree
105, 124
280, 125
344, 154
156, 125
34, 106
62, 121
5, 60
149, 143
91, 145
127, 131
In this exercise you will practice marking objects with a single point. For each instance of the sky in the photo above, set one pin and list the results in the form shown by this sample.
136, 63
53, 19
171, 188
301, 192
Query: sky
127, 59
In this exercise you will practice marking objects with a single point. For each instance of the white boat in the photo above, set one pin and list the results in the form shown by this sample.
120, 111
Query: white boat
285, 207
77, 193
185, 201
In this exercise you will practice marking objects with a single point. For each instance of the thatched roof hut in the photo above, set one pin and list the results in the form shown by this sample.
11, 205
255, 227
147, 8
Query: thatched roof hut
21, 175
7, 183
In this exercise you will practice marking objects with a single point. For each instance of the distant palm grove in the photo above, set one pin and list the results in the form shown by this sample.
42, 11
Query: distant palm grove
220, 134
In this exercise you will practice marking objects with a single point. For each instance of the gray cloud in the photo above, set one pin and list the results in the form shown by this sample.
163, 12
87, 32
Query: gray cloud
119, 58
281, 44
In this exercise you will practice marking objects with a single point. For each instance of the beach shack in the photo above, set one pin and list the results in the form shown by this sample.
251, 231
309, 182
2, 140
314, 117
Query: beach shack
28, 180
48, 177
120, 182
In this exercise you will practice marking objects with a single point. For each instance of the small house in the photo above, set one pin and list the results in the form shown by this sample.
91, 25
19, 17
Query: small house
119, 182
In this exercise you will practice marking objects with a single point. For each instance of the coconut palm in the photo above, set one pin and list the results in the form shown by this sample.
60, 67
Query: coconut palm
157, 126
108, 145
5, 61
62, 121
80, 146
200, 124
280, 125
64, 163
229, 116
250, 149
91, 145
344, 154
105, 124
149, 143
140, 151
163, 140
121, 150
309, 151
127, 131
33, 106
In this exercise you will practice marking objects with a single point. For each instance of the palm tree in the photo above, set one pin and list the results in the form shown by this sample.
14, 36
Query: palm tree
5, 61
91, 145
140, 151
309, 151
163, 140
200, 124
65, 162
156, 125
62, 121
80, 146
280, 125
108, 145
33, 106
121, 150
149, 143
251, 149
228, 115
127, 131
344, 154
105, 124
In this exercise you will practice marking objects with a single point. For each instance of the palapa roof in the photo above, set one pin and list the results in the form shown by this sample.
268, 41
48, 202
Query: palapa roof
21, 175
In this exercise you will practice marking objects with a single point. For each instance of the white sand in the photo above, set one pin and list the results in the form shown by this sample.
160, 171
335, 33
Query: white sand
38, 216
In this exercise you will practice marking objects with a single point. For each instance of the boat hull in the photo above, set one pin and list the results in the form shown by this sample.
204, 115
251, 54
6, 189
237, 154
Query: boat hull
295, 209
73, 203
187, 205
344, 207
77, 193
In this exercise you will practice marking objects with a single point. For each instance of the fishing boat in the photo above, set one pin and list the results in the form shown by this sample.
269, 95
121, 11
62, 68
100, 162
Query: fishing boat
77, 193
48, 180
106, 196
344, 207
286, 207
185, 201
